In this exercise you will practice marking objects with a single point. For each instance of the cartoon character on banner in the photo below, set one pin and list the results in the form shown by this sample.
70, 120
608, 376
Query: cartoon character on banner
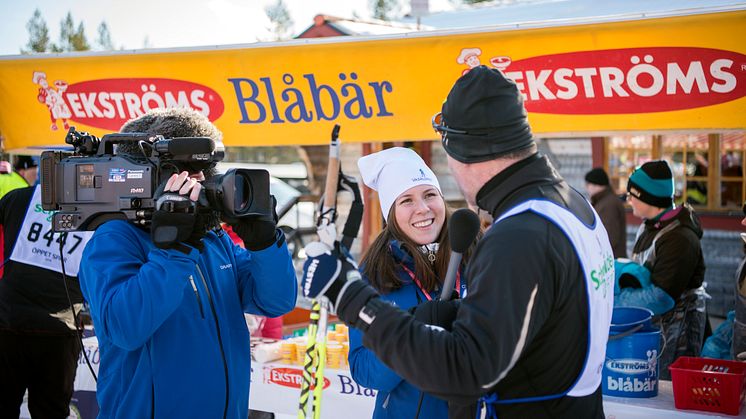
470, 57
52, 97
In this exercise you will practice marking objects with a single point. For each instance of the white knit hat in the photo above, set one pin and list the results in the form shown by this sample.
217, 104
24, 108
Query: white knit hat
392, 172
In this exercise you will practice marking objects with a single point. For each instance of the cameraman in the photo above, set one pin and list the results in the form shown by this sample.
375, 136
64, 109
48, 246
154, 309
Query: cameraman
170, 324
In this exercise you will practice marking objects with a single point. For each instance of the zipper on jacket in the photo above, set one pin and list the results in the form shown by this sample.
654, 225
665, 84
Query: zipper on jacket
220, 339
196, 294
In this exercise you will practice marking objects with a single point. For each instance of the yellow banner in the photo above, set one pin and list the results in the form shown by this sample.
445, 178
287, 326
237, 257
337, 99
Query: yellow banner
676, 73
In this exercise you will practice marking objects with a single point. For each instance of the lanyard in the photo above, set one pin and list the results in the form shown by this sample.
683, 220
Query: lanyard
419, 285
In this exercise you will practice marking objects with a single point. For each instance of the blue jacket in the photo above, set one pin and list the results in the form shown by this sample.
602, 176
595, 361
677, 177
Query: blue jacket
165, 321
396, 398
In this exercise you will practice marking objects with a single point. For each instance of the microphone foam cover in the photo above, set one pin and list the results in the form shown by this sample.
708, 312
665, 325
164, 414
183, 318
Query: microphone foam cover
463, 228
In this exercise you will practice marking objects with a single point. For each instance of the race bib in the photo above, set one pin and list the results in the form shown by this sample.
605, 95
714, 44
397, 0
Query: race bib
38, 245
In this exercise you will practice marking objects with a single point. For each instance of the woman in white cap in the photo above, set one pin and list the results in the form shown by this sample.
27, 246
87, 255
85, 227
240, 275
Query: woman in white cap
406, 263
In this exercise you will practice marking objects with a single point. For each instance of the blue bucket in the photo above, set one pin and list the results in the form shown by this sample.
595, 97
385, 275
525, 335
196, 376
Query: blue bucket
625, 318
632, 352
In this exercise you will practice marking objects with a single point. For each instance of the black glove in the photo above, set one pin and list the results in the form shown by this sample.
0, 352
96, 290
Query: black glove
258, 233
437, 312
177, 222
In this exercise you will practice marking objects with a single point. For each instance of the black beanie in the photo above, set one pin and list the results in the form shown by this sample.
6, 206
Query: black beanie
24, 162
597, 176
489, 108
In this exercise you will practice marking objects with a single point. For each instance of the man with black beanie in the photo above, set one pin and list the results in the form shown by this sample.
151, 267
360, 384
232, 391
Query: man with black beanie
668, 244
529, 339
609, 207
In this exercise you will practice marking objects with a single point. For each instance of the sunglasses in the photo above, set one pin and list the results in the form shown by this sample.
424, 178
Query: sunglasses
439, 125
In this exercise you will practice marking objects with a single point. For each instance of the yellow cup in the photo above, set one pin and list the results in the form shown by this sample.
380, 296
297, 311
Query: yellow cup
300, 350
288, 352
333, 355
346, 352
340, 338
342, 329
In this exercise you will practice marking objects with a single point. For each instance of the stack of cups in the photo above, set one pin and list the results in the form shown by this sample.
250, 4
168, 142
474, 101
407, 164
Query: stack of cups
288, 351
333, 355
343, 338
300, 351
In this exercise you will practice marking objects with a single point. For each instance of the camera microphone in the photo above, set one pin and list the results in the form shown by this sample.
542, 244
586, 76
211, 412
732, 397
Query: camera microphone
185, 146
463, 228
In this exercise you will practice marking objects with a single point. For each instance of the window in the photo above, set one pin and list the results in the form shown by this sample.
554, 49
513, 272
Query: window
700, 162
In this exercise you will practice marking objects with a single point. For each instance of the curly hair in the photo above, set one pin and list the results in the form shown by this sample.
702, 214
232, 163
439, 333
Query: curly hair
174, 123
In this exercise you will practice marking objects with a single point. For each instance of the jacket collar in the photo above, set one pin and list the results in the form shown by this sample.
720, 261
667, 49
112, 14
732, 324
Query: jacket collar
504, 187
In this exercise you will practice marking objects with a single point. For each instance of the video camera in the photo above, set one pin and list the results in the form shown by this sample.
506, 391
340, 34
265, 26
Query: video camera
95, 184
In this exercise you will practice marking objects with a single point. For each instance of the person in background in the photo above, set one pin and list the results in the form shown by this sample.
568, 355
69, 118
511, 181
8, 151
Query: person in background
169, 319
739, 324
610, 208
39, 344
530, 336
728, 341
25, 173
668, 245
406, 263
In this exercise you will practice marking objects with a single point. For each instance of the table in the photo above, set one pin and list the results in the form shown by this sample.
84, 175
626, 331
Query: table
275, 387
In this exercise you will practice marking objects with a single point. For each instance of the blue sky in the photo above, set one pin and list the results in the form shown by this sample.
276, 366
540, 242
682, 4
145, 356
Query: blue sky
189, 22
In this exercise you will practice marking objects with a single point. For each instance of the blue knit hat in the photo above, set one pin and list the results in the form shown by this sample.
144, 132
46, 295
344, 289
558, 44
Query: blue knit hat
654, 182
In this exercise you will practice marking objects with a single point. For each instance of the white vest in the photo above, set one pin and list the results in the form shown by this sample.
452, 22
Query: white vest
38, 245
597, 261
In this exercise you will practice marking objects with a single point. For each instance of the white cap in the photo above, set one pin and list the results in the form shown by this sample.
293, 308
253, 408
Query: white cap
394, 171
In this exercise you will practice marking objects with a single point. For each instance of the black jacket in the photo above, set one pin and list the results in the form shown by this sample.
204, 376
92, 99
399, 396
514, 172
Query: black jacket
524, 261
29, 295
679, 265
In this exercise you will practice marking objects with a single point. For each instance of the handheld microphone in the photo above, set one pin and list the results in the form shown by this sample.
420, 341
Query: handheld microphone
463, 228
185, 146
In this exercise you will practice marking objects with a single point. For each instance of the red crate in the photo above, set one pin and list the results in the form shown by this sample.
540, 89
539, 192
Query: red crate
712, 385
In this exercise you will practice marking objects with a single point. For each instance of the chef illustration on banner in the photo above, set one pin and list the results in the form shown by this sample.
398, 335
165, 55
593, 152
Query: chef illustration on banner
38, 245
52, 98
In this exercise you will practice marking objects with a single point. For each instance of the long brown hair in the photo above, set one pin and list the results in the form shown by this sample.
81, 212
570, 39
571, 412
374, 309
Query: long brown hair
381, 268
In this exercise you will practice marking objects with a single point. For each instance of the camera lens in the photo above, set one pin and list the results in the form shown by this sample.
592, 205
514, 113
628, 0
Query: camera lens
242, 193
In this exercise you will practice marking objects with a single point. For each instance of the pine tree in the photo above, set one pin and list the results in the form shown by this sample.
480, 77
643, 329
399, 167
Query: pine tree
38, 34
382, 9
279, 16
67, 30
71, 39
78, 40
104, 37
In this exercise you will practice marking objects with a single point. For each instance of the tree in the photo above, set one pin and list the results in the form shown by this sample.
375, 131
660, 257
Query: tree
382, 9
67, 29
38, 34
71, 39
104, 37
279, 16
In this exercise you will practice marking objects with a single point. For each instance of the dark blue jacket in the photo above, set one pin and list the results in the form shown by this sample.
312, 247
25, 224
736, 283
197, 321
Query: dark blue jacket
396, 398
171, 330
